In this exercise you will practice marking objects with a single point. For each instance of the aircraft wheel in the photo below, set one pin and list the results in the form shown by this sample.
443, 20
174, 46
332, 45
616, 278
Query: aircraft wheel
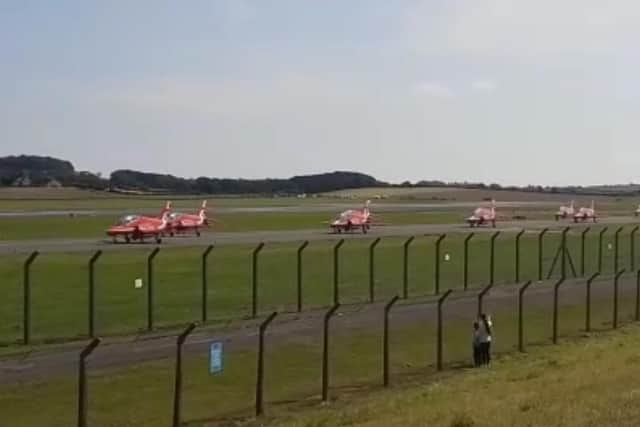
364, 229
158, 239
198, 233
127, 239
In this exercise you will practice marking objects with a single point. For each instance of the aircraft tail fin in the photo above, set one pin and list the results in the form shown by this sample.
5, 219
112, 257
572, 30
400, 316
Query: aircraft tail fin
166, 209
203, 210
366, 207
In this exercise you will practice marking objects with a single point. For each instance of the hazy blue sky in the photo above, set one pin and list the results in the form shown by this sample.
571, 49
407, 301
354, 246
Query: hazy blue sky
506, 91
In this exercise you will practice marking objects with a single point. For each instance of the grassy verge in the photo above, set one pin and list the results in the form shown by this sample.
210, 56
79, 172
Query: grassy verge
57, 227
141, 395
584, 382
60, 295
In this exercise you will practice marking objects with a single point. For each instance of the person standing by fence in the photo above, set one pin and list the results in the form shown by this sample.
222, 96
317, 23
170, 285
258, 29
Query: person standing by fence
476, 345
486, 332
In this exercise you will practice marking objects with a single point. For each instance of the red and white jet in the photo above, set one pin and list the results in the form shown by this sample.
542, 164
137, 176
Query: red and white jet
180, 223
483, 216
566, 211
585, 214
352, 219
137, 227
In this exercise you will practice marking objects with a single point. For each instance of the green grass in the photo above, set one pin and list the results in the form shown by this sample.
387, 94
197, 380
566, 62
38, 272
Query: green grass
60, 281
95, 226
141, 395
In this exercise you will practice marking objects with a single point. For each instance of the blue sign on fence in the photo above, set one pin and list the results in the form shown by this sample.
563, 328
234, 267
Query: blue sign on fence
215, 357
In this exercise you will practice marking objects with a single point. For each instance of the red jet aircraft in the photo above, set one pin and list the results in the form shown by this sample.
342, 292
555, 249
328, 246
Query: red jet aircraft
566, 211
483, 216
352, 219
584, 214
180, 223
137, 227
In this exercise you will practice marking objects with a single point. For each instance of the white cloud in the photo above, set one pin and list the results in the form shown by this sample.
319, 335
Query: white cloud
484, 86
525, 28
435, 89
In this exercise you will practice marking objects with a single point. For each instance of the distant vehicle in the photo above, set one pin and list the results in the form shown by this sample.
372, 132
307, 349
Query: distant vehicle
566, 211
585, 214
482, 216
181, 223
138, 227
353, 219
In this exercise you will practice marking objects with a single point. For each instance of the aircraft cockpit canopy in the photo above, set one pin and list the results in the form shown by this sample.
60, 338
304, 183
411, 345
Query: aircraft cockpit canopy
128, 219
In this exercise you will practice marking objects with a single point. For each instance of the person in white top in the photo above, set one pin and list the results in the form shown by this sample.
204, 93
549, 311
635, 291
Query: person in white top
485, 338
477, 359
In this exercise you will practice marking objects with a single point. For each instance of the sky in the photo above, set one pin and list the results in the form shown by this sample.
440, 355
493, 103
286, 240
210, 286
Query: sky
507, 91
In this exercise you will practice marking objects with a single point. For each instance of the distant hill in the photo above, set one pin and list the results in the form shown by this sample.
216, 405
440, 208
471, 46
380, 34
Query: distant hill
42, 171
49, 171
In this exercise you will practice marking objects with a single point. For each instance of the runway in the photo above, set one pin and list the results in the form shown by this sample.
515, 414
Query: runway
329, 208
283, 236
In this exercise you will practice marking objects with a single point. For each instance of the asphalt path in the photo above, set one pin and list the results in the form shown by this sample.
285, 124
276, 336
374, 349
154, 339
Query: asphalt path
282, 236
309, 208
290, 328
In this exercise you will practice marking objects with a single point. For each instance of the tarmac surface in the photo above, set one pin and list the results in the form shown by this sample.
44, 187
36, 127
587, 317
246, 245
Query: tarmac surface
324, 207
255, 237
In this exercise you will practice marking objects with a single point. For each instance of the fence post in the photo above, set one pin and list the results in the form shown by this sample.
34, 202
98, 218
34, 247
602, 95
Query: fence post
616, 242
520, 315
556, 287
540, 252
82, 381
588, 302
385, 342
582, 249
405, 276
466, 261
325, 352
492, 255
563, 262
437, 264
299, 274
336, 271
26, 293
440, 302
632, 249
372, 272
92, 293
177, 391
150, 258
481, 295
260, 375
254, 279
616, 279
604, 230
638, 295
205, 283
517, 260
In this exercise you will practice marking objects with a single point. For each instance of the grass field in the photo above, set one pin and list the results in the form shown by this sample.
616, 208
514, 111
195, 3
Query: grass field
528, 387
580, 383
60, 295
56, 227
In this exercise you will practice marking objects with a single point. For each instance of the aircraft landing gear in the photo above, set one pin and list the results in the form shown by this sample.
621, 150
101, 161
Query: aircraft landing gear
364, 229
127, 239
158, 239
197, 232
